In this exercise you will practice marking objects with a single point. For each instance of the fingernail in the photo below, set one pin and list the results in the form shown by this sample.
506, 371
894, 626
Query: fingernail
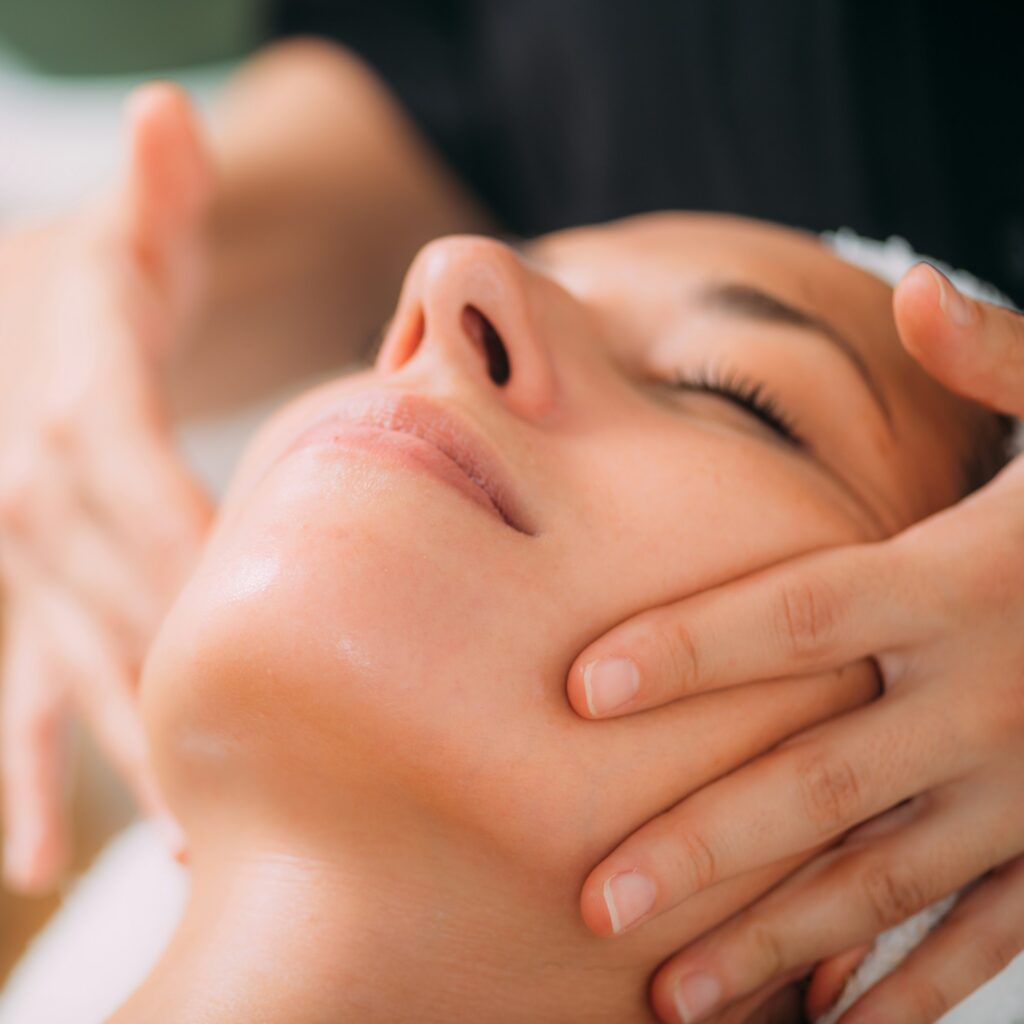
696, 996
954, 305
628, 896
608, 683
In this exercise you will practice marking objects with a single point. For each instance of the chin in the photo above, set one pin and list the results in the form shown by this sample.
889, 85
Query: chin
349, 631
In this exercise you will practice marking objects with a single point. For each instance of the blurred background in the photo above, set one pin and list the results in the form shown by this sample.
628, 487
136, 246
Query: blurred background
66, 66
65, 69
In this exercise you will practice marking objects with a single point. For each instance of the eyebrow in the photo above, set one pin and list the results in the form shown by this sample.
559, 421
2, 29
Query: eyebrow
746, 300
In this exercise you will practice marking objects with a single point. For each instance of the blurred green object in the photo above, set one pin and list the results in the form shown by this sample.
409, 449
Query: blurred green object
109, 37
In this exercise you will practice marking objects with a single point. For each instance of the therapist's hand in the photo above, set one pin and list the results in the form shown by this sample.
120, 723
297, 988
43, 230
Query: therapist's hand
99, 519
935, 767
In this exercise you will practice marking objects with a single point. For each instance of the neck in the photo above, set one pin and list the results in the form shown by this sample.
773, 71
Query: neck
405, 930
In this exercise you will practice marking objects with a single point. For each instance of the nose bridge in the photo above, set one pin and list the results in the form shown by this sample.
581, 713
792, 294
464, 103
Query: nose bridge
454, 275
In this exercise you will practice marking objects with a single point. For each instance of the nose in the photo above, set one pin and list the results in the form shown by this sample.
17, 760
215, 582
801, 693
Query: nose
466, 308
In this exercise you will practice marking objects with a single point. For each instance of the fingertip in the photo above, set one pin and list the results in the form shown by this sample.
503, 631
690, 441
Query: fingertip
923, 281
594, 907
934, 322
917, 307
602, 686
172, 835
32, 864
170, 169
150, 99
576, 689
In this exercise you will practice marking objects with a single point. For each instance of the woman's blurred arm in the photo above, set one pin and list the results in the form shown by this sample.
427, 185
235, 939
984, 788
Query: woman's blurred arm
325, 191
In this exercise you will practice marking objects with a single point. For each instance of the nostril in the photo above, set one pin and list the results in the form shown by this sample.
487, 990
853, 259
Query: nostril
483, 334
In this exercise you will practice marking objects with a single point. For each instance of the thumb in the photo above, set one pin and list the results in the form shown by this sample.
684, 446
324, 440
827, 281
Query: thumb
170, 170
973, 348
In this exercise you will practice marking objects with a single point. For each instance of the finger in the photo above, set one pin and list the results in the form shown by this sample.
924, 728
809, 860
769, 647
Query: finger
106, 696
33, 761
971, 347
791, 800
62, 535
977, 939
170, 174
102, 691
844, 898
89, 565
777, 1003
815, 613
781, 1007
88, 569
160, 525
830, 978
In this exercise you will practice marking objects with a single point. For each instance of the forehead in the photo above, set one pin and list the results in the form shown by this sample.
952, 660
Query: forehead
643, 269
664, 256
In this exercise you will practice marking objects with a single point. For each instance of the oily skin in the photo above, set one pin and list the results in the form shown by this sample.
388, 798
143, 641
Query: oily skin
363, 682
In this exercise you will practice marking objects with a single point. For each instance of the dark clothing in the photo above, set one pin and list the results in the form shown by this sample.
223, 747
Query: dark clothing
893, 118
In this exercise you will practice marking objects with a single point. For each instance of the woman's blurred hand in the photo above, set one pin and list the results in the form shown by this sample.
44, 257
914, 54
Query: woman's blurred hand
99, 518
935, 767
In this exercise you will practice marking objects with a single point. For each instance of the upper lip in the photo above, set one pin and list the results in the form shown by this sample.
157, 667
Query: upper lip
441, 427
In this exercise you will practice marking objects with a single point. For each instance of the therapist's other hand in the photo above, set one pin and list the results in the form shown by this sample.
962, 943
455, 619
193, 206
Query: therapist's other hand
99, 518
935, 767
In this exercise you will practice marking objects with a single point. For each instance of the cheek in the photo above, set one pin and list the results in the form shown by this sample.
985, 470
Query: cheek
665, 515
348, 619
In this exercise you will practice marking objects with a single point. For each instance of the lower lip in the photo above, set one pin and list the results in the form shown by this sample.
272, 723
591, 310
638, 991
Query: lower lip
407, 450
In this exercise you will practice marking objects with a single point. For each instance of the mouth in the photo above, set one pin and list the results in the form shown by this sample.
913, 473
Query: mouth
423, 434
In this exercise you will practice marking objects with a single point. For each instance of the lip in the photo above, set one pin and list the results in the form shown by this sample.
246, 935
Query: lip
422, 434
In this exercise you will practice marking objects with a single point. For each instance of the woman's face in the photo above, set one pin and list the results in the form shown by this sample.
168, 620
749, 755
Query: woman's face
410, 558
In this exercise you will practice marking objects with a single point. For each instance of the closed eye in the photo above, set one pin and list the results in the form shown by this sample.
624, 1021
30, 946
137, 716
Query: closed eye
751, 396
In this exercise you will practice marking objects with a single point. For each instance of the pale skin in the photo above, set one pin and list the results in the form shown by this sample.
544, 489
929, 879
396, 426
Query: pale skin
356, 704
286, 198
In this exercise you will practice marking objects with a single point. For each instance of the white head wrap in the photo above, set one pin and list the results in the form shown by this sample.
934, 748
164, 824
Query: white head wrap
891, 259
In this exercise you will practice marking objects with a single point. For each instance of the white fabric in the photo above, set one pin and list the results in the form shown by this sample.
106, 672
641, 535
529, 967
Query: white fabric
891, 259
107, 935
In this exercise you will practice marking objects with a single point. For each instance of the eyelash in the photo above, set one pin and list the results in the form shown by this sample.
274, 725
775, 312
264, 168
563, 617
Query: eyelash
749, 395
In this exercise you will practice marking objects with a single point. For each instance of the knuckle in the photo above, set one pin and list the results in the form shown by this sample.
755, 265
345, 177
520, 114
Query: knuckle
768, 950
893, 894
927, 1001
830, 791
992, 951
808, 614
695, 860
681, 657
